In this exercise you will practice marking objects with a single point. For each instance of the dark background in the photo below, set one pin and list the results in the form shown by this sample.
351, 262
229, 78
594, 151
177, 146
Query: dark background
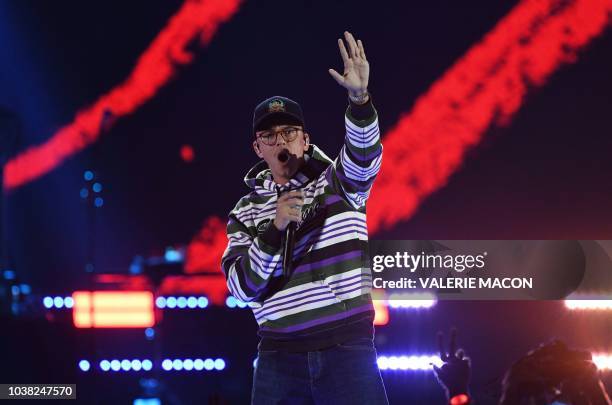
547, 175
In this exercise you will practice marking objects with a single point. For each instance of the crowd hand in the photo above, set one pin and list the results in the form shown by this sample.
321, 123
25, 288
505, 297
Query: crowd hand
356, 66
454, 375
288, 209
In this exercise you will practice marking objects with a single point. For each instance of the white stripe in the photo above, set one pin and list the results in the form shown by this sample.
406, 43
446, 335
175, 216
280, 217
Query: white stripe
298, 303
356, 128
301, 308
365, 173
343, 238
282, 295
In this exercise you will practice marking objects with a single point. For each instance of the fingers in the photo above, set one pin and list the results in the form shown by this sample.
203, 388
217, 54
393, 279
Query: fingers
443, 355
337, 76
361, 49
291, 194
343, 53
351, 43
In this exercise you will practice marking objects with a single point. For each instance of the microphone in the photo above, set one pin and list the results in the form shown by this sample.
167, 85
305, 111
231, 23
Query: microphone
288, 248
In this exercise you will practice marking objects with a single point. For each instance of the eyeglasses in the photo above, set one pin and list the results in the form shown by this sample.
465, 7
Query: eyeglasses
289, 134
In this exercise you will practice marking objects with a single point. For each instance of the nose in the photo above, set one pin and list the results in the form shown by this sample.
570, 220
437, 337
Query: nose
280, 141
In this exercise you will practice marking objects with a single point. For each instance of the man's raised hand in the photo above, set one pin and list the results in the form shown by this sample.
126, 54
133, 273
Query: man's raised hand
356, 67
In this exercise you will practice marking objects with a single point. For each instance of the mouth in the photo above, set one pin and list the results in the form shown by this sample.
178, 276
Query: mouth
284, 156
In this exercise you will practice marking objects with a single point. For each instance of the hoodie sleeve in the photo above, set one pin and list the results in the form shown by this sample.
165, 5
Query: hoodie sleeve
354, 170
249, 262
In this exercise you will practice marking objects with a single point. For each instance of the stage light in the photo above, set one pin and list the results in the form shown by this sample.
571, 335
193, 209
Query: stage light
219, 364
173, 255
171, 302
198, 364
412, 301
58, 302
113, 309
167, 364
589, 304
192, 302
88, 175
105, 365
149, 333
115, 365
98, 202
97, 187
84, 193
177, 364
68, 302
381, 312
188, 364
160, 302
126, 365
9, 275
48, 302
202, 302
408, 363
84, 365
25, 289
255, 362
181, 302
603, 361
147, 401
136, 365
230, 301
209, 364
147, 365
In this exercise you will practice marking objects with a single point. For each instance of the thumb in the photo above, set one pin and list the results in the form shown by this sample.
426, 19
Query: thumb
337, 76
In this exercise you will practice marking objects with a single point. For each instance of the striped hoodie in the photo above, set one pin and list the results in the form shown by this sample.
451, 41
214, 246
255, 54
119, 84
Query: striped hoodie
326, 299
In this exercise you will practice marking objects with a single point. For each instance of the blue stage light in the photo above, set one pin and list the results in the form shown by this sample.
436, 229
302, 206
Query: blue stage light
115, 365
15, 290
202, 302
177, 364
84, 365
192, 302
9, 275
181, 302
408, 363
105, 365
147, 401
126, 365
209, 364
188, 364
69, 302
25, 289
136, 365
98, 202
230, 301
167, 364
149, 333
58, 302
84, 193
48, 302
147, 365
198, 364
97, 187
160, 302
255, 362
173, 255
171, 302
219, 364
241, 304
88, 175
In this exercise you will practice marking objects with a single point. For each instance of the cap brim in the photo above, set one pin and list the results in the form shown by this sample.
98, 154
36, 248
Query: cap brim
277, 118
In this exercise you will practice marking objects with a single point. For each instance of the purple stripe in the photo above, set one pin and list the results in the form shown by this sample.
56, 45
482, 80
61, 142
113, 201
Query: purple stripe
364, 285
291, 295
369, 156
333, 199
340, 234
326, 262
331, 297
345, 279
325, 319
329, 294
327, 229
362, 137
250, 283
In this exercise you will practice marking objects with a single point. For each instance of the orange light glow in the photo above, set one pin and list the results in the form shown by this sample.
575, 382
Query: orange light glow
381, 316
113, 309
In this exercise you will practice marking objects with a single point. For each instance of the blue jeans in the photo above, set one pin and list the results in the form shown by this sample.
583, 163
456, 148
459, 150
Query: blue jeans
344, 374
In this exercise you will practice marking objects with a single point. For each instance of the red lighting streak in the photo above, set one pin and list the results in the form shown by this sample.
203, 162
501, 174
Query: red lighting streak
196, 19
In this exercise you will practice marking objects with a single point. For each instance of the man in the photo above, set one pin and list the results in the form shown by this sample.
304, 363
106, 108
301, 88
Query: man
315, 323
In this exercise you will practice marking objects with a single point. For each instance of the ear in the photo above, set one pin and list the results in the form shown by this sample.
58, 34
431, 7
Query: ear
306, 141
256, 149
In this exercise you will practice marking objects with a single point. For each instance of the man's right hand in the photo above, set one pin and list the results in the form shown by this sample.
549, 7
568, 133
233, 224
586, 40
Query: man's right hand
289, 208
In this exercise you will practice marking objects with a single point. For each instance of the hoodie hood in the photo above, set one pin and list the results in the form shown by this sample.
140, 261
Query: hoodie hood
259, 177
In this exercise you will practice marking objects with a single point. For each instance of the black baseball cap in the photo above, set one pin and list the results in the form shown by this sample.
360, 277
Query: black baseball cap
277, 110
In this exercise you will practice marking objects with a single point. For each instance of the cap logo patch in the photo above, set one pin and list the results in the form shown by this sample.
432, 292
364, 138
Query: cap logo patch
276, 105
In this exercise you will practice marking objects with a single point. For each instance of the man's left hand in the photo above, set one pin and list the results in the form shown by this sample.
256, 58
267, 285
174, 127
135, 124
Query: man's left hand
356, 67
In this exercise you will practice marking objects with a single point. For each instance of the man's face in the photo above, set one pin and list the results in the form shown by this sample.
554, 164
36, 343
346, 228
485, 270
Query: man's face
269, 149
